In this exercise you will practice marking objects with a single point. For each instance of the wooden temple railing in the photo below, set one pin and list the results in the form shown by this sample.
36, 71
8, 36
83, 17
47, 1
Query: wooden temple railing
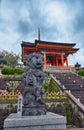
78, 106
75, 102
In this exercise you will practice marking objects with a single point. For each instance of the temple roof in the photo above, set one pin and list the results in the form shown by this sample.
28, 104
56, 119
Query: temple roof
27, 44
46, 42
54, 46
55, 43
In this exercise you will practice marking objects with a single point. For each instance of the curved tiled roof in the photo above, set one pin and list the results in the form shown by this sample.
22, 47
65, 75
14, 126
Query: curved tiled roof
47, 42
42, 44
55, 43
27, 44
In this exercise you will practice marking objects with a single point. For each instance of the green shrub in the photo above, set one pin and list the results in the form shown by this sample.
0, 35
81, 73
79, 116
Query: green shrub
47, 72
81, 72
7, 70
45, 87
12, 71
19, 70
51, 87
68, 114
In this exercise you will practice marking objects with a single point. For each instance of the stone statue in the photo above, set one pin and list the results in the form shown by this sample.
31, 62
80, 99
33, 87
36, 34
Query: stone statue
33, 91
35, 61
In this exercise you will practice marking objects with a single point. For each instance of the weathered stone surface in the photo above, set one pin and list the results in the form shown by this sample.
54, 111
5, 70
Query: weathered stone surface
33, 90
50, 121
35, 61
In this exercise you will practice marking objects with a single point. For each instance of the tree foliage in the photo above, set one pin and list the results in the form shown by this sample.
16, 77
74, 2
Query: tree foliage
12, 71
81, 72
11, 58
51, 87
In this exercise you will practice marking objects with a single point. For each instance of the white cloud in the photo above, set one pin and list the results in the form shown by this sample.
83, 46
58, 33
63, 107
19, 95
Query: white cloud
78, 57
58, 17
7, 39
12, 14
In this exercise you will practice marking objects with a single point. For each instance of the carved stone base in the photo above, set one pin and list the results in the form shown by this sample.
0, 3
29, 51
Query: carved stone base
34, 110
50, 121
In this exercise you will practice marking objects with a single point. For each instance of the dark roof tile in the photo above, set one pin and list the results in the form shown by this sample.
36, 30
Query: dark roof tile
55, 43
27, 44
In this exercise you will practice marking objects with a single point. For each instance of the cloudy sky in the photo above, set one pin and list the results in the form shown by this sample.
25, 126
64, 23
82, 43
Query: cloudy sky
58, 20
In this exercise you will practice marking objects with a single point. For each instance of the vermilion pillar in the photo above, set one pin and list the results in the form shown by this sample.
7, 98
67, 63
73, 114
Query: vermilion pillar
56, 60
62, 59
44, 60
67, 61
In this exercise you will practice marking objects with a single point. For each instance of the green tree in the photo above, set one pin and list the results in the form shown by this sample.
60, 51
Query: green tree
11, 58
53, 87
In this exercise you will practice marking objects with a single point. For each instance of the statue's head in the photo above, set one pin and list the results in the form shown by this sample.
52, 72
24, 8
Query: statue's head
35, 60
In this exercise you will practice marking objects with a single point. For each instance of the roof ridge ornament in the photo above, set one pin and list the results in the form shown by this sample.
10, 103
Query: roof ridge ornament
39, 34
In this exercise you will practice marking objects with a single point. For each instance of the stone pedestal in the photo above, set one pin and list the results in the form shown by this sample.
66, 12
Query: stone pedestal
50, 121
33, 110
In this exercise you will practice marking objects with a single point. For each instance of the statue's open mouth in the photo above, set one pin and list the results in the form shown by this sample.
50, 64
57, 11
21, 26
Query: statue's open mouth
39, 64
30, 83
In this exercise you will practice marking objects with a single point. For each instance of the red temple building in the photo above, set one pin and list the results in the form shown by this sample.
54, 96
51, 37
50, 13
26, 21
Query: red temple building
55, 53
